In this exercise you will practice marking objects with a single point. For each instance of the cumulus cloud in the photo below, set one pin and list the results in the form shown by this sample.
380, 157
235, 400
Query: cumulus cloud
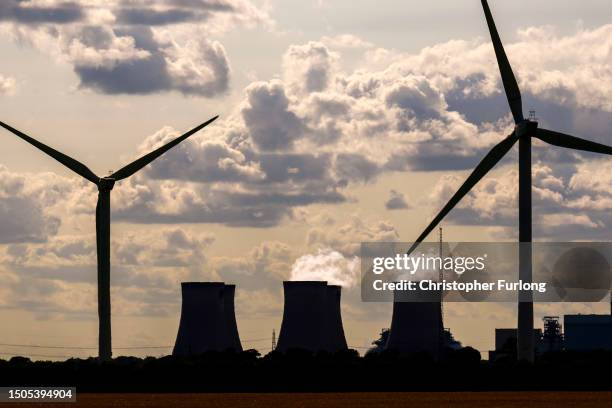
214, 180
58, 276
29, 12
309, 68
8, 85
327, 265
175, 202
308, 137
262, 268
416, 97
355, 167
567, 204
136, 61
396, 201
199, 160
347, 238
271, 124
346, 41
30, 205
137, 47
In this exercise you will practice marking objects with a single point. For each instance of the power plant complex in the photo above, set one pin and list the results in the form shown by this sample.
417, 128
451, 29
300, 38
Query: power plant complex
312, 320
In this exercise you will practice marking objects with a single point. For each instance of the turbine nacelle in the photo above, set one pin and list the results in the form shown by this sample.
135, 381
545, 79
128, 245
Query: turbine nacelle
106, 184
526, 128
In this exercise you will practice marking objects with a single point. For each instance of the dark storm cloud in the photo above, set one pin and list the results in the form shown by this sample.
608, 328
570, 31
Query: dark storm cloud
20, 11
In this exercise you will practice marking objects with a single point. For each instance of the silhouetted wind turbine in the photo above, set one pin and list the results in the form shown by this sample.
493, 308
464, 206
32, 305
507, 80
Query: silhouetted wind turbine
524, 130
105, 185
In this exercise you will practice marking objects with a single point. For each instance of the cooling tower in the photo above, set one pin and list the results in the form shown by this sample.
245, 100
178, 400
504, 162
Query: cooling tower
233, 338
303, 315
203, 324
332, 336
415, 326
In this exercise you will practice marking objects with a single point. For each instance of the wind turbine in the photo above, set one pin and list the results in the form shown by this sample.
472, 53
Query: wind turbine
105, 185
524, 130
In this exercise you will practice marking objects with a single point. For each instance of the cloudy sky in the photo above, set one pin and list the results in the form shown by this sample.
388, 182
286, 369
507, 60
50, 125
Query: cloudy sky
341, 122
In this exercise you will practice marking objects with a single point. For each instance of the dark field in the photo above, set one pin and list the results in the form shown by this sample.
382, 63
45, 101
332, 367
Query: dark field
344, 400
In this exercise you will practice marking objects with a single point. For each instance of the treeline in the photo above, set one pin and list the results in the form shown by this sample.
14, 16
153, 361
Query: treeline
301, 371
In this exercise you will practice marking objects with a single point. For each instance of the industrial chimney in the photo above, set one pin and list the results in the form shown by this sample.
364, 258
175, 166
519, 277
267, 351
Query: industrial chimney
303, 315
332, 337
204, 323
416, 326
233, 338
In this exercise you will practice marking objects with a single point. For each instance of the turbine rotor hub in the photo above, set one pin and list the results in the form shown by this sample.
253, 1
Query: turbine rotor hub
526, 128
106, 184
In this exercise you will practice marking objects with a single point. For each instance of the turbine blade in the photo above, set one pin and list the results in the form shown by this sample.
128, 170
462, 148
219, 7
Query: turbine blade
511, 87
67, 161
138, 164
571, 142
486, 164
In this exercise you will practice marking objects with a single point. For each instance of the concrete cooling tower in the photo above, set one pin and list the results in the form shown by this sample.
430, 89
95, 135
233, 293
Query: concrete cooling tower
208, 322
415, 326
333, 332
311, 317
230, 318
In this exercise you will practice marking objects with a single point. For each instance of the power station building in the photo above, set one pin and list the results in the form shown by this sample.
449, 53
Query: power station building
312, 318
208, 321
581, 333
506, 342
588, 332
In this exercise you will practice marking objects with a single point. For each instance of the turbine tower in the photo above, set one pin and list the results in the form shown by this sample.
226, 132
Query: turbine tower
524, 130
105, 185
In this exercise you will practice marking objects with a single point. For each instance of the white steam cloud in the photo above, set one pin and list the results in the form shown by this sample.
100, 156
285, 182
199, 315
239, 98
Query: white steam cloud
327, 265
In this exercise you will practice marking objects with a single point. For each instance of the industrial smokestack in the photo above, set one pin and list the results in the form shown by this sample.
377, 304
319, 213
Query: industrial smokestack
416, 326
203, 324
332, 336
303, 315
233, 338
